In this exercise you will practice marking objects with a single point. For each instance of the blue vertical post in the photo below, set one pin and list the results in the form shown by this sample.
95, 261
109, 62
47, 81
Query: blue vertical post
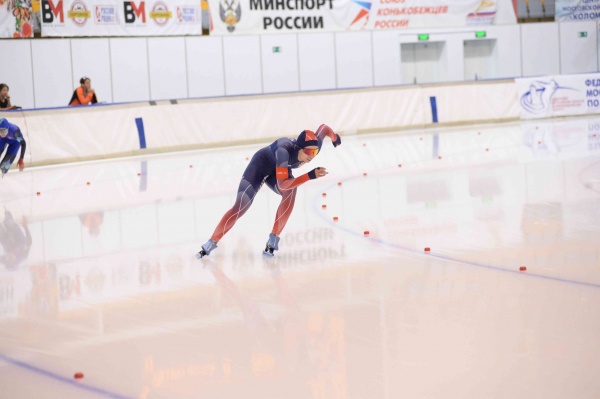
142, 136
140, 127
434, 115
434, 118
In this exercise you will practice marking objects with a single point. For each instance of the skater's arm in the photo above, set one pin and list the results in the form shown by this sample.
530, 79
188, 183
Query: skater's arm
282, 172
284, 182
288, 184
325, 130
23, 147
21, 140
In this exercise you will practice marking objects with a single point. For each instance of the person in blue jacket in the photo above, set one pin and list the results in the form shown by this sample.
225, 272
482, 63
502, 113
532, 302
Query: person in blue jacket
12, 139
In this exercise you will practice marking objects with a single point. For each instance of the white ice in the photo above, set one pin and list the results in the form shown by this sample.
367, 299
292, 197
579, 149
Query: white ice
110, 287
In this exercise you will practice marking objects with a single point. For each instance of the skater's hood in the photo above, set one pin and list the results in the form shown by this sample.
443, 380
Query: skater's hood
308, 138
3, 123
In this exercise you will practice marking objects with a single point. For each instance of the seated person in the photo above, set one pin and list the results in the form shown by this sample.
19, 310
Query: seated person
84, 94
5, 104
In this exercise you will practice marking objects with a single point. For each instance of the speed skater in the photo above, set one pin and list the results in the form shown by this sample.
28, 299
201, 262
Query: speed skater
273, 165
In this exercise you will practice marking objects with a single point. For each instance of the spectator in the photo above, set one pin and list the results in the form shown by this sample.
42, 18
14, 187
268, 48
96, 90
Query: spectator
5, 104
84, 94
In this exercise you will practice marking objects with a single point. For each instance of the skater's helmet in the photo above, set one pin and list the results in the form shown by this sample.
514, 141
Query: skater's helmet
3, 127
308, 138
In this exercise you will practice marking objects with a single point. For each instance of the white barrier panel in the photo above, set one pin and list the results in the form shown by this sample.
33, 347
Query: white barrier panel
77, 133
550, 96
80, 133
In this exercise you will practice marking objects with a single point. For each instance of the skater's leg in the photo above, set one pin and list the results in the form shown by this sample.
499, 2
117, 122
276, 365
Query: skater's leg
245, 196
288, 197
9, 157
286, 206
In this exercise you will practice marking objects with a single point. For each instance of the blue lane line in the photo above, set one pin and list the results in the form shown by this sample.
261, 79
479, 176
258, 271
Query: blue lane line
140, 127
337, 225
60, 378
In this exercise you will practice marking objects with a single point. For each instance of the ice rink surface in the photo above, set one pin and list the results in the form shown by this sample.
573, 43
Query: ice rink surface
101, 278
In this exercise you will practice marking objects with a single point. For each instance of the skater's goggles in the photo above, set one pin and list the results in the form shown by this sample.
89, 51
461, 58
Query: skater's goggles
310, 151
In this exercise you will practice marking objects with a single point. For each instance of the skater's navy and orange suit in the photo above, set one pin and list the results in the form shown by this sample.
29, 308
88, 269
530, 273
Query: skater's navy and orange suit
272, 165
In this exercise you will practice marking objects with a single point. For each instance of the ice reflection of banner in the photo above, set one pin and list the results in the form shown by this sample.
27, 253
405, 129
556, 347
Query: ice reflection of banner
8, 302
42, 300
558, 137
327, 356
114, 278
15, 239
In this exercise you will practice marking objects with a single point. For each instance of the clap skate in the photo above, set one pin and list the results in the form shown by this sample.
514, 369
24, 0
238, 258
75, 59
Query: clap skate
272, 245
206, 249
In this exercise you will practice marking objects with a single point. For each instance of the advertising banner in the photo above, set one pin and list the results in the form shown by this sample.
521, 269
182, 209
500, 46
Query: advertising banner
67, 18
577, 10
545, 97
16, 19
285, 16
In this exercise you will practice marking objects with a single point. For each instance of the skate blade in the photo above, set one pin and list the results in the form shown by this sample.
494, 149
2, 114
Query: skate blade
268, 254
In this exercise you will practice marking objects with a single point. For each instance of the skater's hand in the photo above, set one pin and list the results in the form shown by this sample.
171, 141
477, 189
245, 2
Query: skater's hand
21, 164
338, 141
321, 172
317, 172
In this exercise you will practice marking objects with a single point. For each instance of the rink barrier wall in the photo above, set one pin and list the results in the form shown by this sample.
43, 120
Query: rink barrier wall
44, 72
71, 134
